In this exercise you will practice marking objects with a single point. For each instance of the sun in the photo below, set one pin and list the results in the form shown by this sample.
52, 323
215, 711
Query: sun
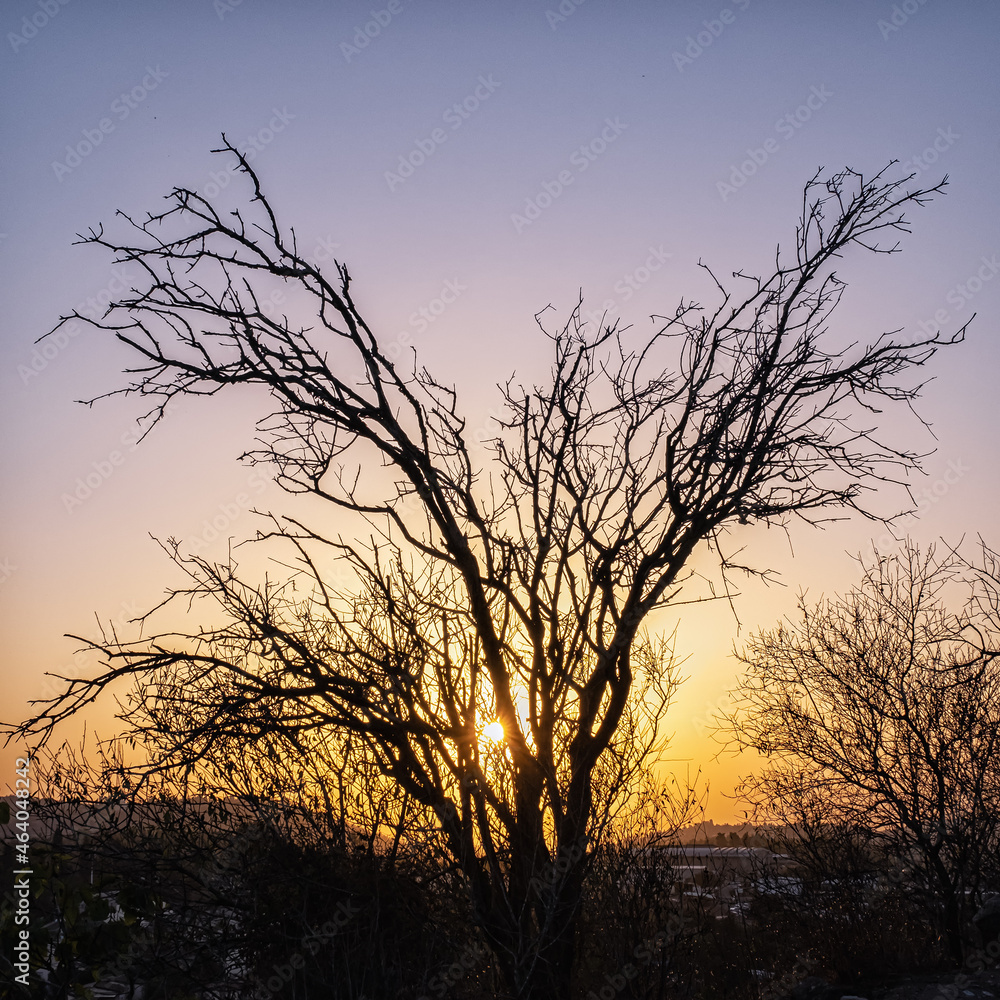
493, 732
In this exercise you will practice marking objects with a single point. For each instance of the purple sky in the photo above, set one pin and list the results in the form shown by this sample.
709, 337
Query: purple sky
620, 114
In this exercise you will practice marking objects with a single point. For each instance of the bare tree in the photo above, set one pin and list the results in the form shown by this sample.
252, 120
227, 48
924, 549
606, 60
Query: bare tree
520, 595
880, 715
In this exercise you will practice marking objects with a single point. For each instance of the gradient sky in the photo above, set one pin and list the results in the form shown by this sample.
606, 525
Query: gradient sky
333, 117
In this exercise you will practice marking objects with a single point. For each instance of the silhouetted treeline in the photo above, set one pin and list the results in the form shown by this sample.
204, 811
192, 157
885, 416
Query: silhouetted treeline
219, 897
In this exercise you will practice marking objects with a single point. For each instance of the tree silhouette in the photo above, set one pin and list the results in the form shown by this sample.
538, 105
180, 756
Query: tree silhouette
511, 589
880, 715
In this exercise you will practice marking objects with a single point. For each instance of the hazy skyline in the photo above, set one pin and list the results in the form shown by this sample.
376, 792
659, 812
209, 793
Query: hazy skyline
472, 164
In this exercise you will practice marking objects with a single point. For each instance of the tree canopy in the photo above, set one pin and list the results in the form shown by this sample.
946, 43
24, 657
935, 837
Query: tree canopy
513, 586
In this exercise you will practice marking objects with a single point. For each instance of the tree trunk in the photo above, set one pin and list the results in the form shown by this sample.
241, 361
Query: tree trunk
555, 974
536, 958
953, 929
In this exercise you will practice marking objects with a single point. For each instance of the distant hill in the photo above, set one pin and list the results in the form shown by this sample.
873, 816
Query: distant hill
730, 834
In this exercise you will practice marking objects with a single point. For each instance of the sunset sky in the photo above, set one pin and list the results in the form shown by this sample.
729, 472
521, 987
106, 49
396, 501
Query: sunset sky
472, 163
